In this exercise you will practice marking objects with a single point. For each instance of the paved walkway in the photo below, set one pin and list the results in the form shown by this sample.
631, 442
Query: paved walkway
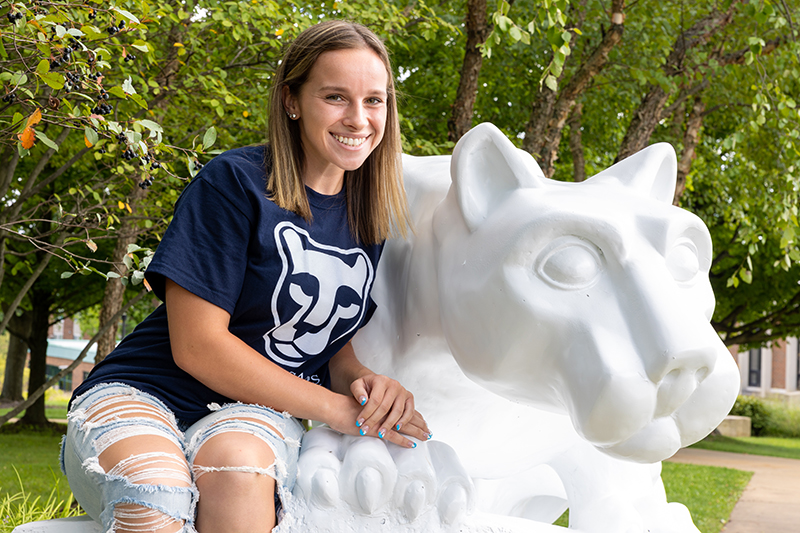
771, 501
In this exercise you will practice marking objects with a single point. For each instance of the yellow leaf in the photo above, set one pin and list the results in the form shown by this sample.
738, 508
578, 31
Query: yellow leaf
149, 288
91, 245
86, 142
212, 31
279, 32
121, 204
178, 45
128, 207
27, 137
245, 114
35, 118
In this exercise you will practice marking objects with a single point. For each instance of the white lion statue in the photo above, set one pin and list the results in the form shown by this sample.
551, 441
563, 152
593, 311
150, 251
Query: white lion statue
555, 335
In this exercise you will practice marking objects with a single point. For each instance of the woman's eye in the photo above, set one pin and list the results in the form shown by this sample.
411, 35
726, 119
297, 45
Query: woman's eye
683, 262
334, 97
571, 263
374, 101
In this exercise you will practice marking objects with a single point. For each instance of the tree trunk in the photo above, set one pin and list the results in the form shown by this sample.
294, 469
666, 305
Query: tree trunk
478, 30
544, 145
19, 330
40, 303
576, 143
650, 110
115, 290
15, 370
690, 139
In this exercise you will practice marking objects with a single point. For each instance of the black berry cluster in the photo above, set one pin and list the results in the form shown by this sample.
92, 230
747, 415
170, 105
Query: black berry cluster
73, 80
130, 57
155, 165
14, 16
92, 14
102, 109
198, 165
10, 97
128, 154
145, 183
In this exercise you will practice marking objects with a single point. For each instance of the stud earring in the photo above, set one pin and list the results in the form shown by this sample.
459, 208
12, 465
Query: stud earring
292, 116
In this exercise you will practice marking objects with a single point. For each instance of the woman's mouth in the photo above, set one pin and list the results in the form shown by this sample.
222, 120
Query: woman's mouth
350, 141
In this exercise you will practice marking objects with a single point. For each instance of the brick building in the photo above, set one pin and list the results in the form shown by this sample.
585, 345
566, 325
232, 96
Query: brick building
64, 344
773, 371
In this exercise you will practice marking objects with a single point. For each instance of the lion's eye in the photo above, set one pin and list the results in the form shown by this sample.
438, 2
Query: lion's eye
570, 263
683, 262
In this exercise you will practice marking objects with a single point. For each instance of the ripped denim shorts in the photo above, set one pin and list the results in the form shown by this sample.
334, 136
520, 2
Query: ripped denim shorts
99, 492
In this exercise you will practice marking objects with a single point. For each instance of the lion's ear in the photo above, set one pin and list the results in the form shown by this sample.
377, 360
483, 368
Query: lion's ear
485, 168
651, 172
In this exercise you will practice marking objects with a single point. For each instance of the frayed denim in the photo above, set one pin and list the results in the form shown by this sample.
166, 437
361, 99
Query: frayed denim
156, 505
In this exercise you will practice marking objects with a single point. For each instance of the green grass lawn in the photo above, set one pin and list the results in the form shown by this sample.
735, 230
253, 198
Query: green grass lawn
33, 458
772, 446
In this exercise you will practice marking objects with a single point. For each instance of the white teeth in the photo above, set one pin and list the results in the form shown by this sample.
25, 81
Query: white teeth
349, 141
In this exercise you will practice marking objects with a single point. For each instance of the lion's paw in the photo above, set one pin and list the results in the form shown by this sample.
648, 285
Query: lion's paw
359, 484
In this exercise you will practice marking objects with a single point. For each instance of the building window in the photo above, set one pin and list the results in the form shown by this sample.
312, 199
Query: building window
798, 363
754, 374
65, 383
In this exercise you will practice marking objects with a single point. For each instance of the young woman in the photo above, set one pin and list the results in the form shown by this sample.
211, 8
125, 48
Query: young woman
265, 272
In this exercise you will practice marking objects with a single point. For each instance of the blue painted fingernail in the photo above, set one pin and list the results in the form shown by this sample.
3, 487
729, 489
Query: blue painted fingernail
359, 422
381, 433
413, 444
362, 432
363, 400
430, 436
397, 427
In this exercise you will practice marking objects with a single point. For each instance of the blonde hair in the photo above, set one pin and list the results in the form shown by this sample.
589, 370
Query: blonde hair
376, 199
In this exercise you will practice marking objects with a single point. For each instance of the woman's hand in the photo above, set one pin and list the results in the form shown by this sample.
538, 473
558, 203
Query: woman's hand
388, 410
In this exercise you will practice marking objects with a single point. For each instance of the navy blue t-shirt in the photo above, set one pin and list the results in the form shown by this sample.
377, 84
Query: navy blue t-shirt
296, 291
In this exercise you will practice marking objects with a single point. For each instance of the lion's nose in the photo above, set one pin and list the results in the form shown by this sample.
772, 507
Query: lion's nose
681, 374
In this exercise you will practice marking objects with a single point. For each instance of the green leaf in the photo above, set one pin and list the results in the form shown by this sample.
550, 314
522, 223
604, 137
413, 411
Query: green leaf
61, 31
53, 79
551, 82
91, 135
515, 33
746, 275
150, 125
46, 140
43, 67
67, 274
209, 137
141, 46
126, 14
139, 100
127, 86
117, 91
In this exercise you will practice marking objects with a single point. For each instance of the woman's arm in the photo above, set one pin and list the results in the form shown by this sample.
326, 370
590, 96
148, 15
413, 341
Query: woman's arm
388, 406
203, 347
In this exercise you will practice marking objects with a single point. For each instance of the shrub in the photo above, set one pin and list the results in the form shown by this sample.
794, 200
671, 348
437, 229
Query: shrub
769, 417
757, 410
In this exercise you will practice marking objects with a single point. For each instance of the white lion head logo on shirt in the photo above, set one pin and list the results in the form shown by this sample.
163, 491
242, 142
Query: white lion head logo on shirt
319, 297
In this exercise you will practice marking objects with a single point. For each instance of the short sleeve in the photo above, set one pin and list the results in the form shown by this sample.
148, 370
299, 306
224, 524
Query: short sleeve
204, 249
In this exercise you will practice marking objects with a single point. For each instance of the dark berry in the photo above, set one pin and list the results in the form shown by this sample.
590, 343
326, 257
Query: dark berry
155, 165
55, 63
112, 30
121, 24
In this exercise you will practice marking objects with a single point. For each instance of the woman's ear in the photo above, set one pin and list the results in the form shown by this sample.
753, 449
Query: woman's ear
289, 101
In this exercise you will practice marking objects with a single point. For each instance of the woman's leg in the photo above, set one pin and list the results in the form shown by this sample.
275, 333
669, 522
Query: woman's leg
237, 455
126, 449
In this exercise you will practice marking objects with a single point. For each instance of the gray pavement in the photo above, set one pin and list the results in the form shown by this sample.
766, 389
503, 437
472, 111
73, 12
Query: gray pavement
771, 501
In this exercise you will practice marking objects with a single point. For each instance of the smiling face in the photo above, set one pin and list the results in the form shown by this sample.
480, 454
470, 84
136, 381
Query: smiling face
341, 110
